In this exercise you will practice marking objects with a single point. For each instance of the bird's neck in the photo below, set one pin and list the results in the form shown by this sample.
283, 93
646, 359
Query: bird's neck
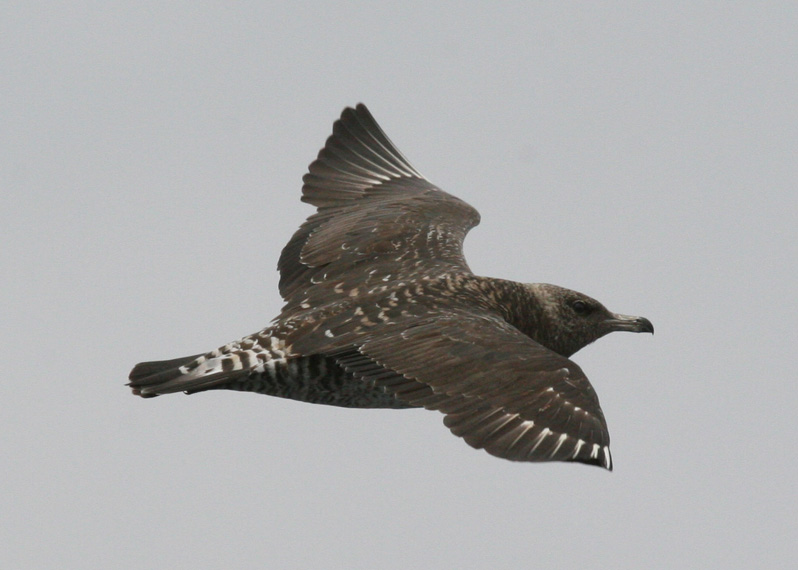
515, 303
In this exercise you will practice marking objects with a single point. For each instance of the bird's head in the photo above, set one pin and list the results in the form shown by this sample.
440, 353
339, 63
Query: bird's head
570, 320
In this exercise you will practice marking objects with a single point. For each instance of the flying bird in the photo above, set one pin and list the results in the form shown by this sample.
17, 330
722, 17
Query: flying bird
382, 311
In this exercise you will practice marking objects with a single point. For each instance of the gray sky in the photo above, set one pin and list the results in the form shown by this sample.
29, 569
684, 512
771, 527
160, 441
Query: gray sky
151, 169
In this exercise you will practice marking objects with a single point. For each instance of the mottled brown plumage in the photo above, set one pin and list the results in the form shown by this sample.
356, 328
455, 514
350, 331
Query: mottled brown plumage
381, 310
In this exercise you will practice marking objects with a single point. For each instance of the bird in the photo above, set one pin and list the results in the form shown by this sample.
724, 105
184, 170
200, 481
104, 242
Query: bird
381, 310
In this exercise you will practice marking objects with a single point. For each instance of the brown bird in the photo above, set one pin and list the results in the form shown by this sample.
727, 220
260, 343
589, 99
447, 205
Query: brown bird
382, 311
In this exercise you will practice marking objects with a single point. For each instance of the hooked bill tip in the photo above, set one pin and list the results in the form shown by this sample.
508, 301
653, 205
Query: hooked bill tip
646, 325
632, 324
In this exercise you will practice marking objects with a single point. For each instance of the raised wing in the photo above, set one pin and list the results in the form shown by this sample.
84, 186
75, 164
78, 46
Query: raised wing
377, 219
500, 390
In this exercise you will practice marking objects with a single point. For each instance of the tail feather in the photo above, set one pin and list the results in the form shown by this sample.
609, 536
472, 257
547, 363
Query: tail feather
196, 373
147, 377
144, 369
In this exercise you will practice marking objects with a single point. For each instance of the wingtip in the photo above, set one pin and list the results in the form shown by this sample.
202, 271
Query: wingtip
359, 109
604, 462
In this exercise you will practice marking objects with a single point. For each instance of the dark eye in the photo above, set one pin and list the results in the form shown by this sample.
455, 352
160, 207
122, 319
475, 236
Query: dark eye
580, 307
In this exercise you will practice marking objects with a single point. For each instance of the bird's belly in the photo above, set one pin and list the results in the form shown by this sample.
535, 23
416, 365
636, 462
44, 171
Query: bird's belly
315, 379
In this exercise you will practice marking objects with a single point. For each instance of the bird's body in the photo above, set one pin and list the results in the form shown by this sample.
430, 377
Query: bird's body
382, 311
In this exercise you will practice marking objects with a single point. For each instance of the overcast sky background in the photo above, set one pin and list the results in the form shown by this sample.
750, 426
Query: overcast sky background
151, 168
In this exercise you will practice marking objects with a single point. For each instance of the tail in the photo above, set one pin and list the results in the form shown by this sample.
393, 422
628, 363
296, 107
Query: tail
211, 370
189, 374
147, 377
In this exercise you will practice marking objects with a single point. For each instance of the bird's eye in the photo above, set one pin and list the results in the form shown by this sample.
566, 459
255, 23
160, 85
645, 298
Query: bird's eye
580, 307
